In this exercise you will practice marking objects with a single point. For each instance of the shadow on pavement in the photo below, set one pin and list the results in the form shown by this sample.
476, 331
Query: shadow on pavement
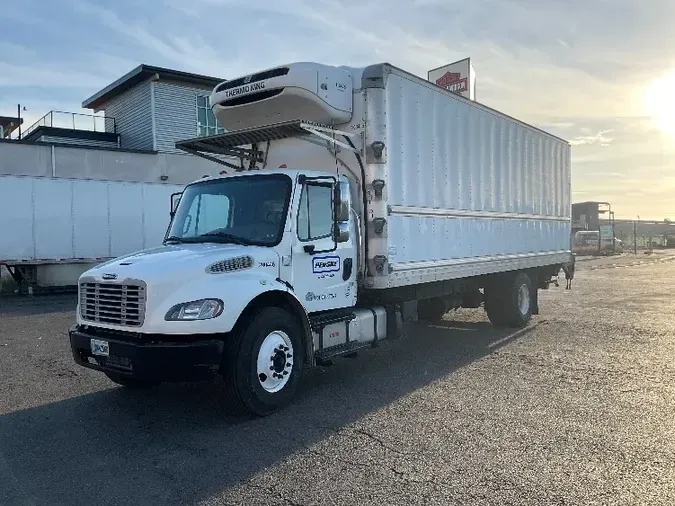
37, 305
177, 444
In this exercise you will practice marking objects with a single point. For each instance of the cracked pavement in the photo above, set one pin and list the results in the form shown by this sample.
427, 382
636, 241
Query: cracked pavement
576, 409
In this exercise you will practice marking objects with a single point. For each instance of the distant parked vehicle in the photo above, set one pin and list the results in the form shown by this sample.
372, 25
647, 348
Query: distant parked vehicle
589, 242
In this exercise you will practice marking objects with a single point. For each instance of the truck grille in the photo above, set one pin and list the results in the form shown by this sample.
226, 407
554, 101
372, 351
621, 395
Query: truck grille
115, 304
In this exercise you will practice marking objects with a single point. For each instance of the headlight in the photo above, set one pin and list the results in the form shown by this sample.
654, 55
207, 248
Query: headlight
203, 309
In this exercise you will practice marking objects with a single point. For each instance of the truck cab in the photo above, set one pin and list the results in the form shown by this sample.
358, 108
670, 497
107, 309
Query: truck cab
292, 228
243, 251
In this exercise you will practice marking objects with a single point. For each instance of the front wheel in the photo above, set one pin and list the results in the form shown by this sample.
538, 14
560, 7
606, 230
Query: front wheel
262, 363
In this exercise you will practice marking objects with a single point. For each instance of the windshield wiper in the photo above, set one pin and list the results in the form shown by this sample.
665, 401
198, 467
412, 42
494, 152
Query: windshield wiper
173, 238
225, 237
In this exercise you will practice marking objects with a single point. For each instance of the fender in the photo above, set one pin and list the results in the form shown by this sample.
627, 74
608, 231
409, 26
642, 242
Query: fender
280, 296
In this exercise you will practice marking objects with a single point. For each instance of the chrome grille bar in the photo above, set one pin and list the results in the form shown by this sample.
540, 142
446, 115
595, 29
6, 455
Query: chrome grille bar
113, 303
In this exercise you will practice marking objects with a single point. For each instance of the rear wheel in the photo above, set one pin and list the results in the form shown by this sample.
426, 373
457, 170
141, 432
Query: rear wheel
263, 362
509, 301
432, 309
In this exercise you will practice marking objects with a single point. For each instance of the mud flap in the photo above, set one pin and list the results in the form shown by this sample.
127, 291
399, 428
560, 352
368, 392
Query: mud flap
394, 322
535, 300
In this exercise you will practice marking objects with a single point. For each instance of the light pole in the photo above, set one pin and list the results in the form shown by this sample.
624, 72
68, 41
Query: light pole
635, 237
610, 213
611, 217
18, 117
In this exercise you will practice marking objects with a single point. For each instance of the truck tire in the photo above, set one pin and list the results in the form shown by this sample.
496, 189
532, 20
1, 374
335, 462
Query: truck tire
262, 363
431, 309
127, 382
509, 301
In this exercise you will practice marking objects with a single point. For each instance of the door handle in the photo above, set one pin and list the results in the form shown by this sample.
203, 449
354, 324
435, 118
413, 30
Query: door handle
347, 269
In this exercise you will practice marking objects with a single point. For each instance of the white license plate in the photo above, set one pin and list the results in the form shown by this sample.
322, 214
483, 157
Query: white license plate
100, 348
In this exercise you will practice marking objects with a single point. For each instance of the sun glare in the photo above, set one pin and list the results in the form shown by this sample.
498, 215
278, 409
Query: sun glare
659, 103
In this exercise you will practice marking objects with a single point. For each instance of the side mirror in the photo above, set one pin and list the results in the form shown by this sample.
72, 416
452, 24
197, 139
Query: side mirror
342, 232
343, 203
175, 199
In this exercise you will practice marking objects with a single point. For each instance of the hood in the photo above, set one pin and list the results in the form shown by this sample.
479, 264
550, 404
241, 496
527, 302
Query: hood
182, 262
180, 273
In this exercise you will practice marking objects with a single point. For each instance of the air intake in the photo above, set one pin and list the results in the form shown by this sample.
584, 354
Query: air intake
230, 265
260, 76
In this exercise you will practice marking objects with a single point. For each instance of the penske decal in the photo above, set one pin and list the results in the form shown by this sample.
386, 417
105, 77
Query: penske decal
321, 265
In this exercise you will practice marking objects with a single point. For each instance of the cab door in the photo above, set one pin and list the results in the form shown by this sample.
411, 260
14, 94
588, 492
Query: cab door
323, 251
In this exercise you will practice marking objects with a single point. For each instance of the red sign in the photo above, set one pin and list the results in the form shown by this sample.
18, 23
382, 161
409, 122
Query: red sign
452, 81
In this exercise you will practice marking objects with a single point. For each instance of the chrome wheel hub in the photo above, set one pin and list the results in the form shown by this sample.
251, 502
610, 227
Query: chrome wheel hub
275, 361
523, 299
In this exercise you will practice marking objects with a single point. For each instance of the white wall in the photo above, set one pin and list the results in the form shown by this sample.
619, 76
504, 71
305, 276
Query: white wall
20, 159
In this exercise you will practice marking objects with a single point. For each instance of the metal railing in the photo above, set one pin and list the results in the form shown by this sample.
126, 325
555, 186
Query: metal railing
73, 121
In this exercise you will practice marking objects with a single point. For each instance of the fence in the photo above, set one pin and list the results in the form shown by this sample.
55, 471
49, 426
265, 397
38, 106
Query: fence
74, 121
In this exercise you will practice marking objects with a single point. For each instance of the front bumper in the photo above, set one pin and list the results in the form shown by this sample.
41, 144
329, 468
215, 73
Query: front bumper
149, 357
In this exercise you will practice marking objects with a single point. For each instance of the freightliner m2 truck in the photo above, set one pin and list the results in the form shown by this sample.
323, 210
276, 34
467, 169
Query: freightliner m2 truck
345, 202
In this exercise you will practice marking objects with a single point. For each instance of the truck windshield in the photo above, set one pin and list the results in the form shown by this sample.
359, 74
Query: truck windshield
247, 210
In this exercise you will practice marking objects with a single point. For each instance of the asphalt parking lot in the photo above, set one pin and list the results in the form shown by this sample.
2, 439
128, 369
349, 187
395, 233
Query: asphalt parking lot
579, 408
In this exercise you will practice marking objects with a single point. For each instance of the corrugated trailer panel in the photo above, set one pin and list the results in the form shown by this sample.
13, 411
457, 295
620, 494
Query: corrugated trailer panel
126, 219
421, 239
447, 153
54, 220
16, 218
53, 224
156, 205
90, 219
465, 185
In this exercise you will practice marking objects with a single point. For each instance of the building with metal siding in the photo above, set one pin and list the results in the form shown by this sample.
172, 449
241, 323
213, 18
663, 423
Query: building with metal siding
133, 118
154, 107
176, 114
145, 113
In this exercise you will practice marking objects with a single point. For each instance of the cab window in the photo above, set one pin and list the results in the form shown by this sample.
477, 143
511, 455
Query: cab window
208, 212
315, 215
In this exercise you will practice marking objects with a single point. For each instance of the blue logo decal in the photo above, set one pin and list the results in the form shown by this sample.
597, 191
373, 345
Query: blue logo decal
321, 265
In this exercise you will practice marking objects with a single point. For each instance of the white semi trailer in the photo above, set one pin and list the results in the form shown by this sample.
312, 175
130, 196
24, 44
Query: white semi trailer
54, 229
363, 198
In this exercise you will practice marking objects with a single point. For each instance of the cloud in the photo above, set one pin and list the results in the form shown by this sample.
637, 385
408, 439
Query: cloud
46, 76
177, 49
567, 67
606, 175
600, 138
559, 125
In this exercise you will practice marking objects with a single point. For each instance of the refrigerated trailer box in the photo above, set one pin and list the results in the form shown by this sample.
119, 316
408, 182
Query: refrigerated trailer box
53, 229
363, 198
479, 190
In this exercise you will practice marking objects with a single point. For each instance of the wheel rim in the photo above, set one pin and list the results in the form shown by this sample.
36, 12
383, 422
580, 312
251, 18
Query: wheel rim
523, 299
275, 361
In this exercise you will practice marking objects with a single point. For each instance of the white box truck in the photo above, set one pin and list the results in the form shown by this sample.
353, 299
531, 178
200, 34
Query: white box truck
54, 229
360, 199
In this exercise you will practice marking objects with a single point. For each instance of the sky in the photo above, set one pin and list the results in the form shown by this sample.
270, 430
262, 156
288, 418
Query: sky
599, 73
